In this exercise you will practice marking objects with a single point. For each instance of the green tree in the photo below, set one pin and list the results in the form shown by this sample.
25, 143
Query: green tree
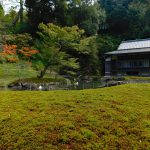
127, 18
117, 15
106, 43
55, 44
60, 12
67, 49
15, 21
1, 11
1, 16
87, 16
83, 13
88, 59
139, 19
39, 11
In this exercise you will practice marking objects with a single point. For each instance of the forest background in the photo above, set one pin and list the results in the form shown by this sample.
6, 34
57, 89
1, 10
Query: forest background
69, 37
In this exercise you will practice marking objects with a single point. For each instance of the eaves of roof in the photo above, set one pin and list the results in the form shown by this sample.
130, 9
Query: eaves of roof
129, 51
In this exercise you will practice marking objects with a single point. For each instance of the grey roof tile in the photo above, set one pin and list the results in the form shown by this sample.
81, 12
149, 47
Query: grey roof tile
132, 44
130, 51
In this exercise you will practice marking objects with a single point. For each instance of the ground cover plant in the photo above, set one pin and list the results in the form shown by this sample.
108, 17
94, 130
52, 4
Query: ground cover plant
12, 72
137, 78
109, 118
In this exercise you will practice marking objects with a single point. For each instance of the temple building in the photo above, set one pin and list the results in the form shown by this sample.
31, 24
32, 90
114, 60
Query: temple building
131, 58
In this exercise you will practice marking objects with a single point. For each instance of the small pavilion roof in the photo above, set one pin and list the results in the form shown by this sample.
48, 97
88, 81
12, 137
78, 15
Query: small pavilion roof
133, 46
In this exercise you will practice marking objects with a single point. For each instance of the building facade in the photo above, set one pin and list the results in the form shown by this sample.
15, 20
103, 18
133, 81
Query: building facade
131, 58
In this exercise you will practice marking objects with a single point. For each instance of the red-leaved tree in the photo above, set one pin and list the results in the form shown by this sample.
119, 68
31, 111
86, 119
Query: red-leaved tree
11, 53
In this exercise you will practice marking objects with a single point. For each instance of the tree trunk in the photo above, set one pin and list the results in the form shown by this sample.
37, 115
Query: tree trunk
21, 11
42, 73
15, 20
19, 16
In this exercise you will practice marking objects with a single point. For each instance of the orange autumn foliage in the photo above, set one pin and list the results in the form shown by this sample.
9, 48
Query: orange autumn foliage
28, 52
11, 53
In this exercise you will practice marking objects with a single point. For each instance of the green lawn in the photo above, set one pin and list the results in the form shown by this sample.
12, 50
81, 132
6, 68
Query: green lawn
137, 78
11, 72
115, 118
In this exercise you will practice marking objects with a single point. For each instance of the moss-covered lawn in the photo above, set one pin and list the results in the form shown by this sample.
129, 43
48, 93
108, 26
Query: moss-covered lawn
137, 78
10, 73
115, 118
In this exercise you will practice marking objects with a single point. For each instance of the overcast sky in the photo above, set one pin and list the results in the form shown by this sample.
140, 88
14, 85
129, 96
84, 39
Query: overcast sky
7, 4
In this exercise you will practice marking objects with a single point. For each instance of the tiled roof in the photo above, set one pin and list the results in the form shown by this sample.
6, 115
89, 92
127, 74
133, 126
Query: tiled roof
144, 43
133, 46
130, 51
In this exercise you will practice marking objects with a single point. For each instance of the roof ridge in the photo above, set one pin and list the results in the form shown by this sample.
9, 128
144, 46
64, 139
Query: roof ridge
125, 51
133, 48
137, 40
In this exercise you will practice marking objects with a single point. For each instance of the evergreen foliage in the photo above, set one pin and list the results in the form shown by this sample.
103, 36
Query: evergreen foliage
105, 24
66, 48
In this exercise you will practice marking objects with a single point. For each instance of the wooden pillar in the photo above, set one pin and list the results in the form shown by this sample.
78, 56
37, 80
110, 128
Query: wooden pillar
108, 66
